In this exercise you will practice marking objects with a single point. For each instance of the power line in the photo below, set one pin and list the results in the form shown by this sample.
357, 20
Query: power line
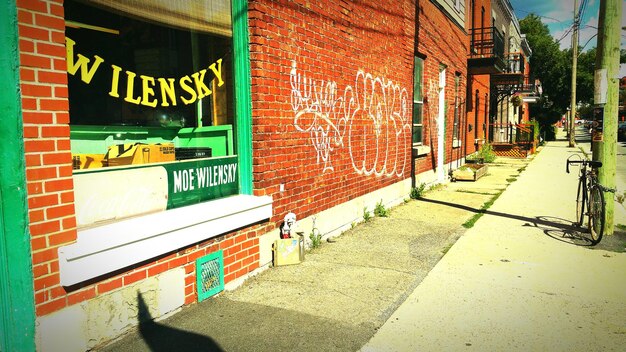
540, 16
583, 48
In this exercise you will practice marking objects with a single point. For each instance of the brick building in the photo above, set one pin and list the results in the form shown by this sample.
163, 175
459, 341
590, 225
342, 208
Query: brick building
155, 147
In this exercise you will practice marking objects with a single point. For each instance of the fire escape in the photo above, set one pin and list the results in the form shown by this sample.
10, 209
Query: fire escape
508, 83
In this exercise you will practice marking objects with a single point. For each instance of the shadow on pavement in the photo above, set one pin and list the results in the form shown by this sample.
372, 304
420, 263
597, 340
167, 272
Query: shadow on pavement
160, 337
556, 228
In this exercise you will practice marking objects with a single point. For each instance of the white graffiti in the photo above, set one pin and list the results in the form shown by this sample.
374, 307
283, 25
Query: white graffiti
372, 119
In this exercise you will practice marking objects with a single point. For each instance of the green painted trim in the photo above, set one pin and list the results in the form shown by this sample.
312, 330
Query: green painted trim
17, 311
243, 101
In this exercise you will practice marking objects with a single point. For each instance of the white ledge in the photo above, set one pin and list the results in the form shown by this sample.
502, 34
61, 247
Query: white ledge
420, 150
104, 249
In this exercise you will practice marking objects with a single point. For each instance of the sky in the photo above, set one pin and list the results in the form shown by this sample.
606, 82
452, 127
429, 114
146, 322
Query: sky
558, 15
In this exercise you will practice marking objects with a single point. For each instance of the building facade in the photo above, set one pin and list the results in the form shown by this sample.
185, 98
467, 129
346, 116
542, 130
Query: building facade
439, 139
155, 148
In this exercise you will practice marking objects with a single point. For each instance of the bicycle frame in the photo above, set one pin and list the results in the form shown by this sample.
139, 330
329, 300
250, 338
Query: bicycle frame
590, 198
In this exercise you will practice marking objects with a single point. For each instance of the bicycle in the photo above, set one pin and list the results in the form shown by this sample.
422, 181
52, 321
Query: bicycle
590, 197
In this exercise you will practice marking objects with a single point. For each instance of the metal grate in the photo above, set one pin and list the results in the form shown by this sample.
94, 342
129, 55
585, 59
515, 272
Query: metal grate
210, 275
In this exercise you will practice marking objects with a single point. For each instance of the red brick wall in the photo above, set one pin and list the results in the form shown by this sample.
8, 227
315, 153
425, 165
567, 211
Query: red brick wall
360, 52
329, 42
442, 42
47, 145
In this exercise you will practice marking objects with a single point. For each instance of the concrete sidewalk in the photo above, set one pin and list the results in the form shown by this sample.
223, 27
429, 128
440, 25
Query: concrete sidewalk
520, 279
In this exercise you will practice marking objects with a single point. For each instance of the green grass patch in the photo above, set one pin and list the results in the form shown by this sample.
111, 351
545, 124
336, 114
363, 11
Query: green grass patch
475, 192
418, 192
470, 223
380, 210
366, 215
621, 227
447, 248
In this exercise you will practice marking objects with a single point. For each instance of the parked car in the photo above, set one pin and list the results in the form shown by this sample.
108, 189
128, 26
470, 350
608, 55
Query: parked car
621, 131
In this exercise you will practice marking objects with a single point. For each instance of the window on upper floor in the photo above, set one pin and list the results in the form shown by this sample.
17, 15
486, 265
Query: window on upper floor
418, 101
456, 132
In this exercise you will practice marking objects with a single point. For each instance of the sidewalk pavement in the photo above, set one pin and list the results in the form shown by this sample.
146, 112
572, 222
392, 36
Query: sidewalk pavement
519, 279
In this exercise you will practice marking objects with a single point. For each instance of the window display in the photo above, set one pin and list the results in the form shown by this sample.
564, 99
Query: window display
145, 89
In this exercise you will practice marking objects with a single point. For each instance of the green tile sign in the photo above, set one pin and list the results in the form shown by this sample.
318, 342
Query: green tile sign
196, 181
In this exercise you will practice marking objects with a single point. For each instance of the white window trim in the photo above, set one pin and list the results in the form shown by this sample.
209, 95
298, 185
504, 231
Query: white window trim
104, 249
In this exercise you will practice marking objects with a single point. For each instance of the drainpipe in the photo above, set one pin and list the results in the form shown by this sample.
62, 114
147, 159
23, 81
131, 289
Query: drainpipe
17, 311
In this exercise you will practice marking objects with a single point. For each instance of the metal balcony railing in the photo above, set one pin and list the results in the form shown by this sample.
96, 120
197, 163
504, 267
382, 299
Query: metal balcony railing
531, 86
486, 42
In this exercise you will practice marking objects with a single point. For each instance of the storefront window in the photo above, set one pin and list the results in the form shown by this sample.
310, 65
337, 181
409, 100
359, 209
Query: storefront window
151, 87
160, 129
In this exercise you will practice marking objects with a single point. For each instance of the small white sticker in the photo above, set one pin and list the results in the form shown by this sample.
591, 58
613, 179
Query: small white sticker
600, 87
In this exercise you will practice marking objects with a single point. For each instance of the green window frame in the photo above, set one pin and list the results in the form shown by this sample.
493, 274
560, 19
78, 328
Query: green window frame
418, 102
457, 111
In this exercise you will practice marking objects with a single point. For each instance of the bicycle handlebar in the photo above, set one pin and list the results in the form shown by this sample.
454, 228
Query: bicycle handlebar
591, 163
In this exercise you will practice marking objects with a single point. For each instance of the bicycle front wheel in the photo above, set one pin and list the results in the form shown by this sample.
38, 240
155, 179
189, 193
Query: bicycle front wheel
596, 214
580, 201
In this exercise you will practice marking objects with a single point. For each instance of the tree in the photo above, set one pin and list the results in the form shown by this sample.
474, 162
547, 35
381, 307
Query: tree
550, 65
584, 81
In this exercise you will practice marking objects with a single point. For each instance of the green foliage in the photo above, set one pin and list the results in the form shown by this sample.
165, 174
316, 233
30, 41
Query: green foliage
584, 75
550, 65
553, 67
366, 215
316, 239
536, 129
470, 223
417, 192
380, 210
485, 153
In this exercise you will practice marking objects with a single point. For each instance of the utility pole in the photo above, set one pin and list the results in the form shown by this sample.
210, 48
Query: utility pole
572, 119
606, 99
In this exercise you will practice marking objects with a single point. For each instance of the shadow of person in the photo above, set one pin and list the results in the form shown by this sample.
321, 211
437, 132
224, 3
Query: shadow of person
161, 338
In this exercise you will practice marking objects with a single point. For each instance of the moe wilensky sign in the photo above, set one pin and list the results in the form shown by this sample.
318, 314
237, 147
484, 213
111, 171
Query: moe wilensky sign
201, 180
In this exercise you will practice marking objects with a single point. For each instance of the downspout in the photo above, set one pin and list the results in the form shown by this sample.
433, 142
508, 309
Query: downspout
17, 311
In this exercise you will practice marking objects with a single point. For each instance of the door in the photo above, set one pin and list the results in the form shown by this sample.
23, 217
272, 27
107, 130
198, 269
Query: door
441, 125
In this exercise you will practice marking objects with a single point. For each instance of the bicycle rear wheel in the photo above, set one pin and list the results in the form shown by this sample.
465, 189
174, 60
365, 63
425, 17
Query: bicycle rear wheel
596, 214
580, 201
